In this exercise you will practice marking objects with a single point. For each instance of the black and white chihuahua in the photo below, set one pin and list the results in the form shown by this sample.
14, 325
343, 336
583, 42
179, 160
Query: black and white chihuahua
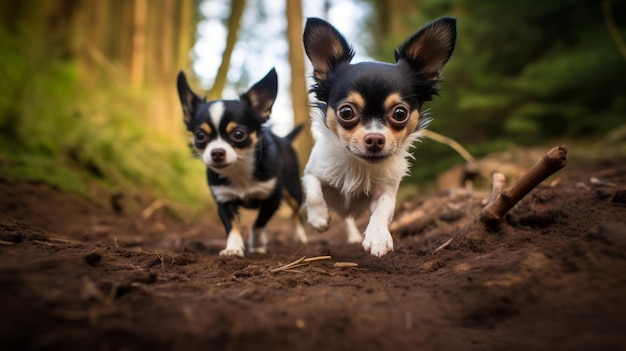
247, 165
371, 113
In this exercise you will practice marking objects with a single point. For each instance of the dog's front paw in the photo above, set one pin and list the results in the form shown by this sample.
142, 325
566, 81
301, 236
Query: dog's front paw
232, 252
318, 217
378, 241
234, 245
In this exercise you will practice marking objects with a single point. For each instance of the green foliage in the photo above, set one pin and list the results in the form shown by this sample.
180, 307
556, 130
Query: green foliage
524, 71
54, 130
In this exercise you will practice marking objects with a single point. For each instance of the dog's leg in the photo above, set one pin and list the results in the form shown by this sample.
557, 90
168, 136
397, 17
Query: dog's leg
354, 235
317, 210
234, 241
257, 241
298, 228
293, 197
377, 238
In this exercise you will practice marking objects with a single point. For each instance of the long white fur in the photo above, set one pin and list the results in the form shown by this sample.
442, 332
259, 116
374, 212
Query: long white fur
335, 178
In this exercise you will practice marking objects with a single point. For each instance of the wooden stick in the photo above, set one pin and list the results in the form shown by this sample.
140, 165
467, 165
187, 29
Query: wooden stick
553, 161
496, 190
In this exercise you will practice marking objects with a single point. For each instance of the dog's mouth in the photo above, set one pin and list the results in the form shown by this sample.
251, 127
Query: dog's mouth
219, 165
370, 158
373, 158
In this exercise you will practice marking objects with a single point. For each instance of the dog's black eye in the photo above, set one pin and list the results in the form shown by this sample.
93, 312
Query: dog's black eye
201, 136
346, 113
238, 135
400, 114
347, 116
399, 117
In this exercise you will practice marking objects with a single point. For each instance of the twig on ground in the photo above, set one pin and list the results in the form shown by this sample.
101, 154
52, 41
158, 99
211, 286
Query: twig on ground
444, 245
301, 262
553, 161
346, 264
155, 205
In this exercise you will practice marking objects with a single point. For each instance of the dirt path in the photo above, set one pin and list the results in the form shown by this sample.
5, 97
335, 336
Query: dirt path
75, 276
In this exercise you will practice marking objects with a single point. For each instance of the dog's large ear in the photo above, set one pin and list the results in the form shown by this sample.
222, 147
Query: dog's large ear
325, 47
188, 99
429, 48
262, 95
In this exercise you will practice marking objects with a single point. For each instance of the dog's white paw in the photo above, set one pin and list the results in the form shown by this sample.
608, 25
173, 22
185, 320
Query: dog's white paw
234, 245
232, 252
318, 217
377, 241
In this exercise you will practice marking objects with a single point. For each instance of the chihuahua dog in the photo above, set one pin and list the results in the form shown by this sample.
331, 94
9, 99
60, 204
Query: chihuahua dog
247, 165
370, 115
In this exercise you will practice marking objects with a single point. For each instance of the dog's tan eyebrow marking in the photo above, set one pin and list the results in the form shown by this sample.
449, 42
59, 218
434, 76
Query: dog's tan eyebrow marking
206, 128
392, 100
355, 99
230, 127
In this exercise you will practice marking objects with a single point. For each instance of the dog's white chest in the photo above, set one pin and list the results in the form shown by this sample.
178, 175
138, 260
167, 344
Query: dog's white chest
244, 189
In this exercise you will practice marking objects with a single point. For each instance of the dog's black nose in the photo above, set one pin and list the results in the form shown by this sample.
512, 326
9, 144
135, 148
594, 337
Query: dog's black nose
218, 155
374, 141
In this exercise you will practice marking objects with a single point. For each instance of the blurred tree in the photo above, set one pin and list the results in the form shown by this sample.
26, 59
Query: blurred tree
236, 12
88, 93
134, 42
522, 71
299, 95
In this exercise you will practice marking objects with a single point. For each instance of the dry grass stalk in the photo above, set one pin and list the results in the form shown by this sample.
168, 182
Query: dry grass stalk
444, 245
301, 262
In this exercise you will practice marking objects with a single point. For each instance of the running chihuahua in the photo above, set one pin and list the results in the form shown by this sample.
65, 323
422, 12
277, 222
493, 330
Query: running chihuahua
370, 115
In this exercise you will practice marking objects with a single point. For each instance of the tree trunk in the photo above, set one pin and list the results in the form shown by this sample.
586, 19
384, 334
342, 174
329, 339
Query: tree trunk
138, 51
236, 12
299, 95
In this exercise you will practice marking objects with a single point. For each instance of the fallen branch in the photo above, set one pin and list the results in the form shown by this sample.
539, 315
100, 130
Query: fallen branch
345, 264
502, 201
301, 262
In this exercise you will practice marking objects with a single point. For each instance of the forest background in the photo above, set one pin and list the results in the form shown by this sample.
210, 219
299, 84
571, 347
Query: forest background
88, 100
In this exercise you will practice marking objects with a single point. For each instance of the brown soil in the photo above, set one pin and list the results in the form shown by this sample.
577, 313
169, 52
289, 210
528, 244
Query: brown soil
77, 276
